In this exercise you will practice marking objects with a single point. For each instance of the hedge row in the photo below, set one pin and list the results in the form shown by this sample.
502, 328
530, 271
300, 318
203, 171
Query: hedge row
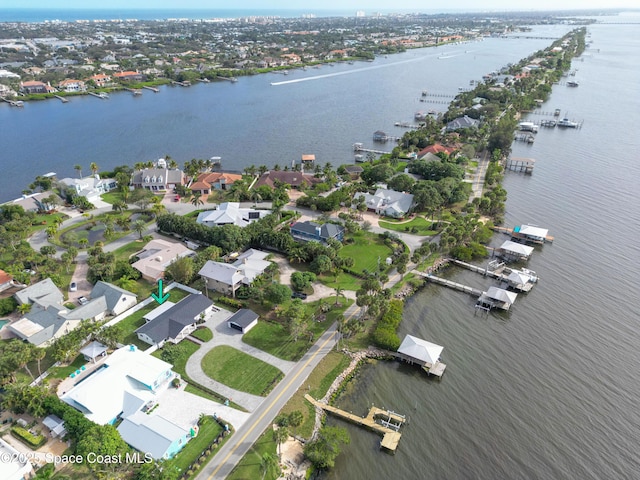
28, 438
385, 333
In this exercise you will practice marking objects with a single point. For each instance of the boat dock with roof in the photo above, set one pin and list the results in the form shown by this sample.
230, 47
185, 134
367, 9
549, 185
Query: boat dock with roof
527, 233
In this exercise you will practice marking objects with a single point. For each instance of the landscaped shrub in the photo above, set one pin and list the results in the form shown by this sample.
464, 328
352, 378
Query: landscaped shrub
29, 439
385, 333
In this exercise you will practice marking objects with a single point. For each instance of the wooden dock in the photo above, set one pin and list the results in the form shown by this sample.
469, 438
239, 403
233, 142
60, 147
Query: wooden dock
101, 96
520, 164
448, 283
358, 147
498, 274
62, 99
153, 89
436, 369
134, 91
13, 103
380, 421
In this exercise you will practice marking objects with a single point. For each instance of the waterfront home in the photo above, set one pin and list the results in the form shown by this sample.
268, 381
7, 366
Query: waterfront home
314, 232
230, 213
130, 76
158, 255
34, 202
293, 179
70, 85
35, 86
387, 202
436, 148
90, 187
513, 251
226, 278
49, 318
209, 181
173, 322
101, 80
462, 123
158, 178
496, 297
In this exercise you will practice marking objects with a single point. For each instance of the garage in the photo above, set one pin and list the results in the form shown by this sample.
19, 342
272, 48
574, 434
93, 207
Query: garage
243, 320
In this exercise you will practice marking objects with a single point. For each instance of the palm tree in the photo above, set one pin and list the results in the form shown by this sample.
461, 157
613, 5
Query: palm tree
262, 169
93, 167
280, 435
157, 209
38, 354
24, 308
139, 226
268, 465
338, 290
256, 197
78, 168
196, 200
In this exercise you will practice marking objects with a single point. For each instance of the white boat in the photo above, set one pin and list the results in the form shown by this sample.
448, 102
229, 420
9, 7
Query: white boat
572, 83
565, 122
528, 127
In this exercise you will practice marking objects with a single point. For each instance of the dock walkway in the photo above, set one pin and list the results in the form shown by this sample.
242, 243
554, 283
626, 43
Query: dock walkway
390, 422
448, 283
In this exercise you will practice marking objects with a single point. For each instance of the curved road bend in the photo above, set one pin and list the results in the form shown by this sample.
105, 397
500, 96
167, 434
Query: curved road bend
241, 441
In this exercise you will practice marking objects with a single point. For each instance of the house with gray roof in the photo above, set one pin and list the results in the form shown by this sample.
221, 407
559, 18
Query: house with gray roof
462, 123
387, 202
314, 232
226, 278
159, 178
175, 323
230, 213
243, 320
49, 318
153, 434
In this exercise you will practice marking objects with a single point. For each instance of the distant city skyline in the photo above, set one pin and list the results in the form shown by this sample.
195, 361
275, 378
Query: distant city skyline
368, 6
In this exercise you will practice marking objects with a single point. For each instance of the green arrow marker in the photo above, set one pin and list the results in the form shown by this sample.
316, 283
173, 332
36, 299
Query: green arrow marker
159, 297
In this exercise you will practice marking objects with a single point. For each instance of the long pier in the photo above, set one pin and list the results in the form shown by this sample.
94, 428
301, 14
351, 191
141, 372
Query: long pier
498, 274
13, 103
229, 79
153, 89
448, 283
390, 422
357, 147
101, 96
62, 99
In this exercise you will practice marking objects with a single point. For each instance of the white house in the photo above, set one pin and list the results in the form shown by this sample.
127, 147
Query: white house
227, 278
388, 202
90, 187
230, 213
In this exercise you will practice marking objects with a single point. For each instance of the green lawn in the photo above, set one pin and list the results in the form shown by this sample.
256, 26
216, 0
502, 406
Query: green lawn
249, 467
366, 250
344, 280
111, 197
124, 252
423, 226
209, 430
42, 221
64, 372
238, 370
273, 338
203, 333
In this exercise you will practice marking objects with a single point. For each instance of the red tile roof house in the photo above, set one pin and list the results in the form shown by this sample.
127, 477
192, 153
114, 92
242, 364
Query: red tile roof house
35, 87
206, 182
436, 148
130, 76
70, 85
101, 79
5, 280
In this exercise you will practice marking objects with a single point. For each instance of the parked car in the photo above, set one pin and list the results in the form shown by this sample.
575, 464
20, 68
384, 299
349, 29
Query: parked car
300, 295
73, 286
83, 300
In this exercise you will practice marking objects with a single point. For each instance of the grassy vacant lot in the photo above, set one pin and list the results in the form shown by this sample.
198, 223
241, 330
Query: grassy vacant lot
365, 250
273, 337
344, 280
240, 371
249, 466
42, 221
420, 223
316, 385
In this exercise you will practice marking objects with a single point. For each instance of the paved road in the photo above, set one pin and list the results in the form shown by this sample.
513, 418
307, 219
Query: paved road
239, 444
478, 181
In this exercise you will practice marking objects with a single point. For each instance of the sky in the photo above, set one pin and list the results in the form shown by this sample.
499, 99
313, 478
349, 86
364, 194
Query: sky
310, 5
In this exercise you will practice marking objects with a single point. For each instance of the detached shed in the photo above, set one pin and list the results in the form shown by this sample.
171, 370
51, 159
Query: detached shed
55, 425
243, 320
93, 351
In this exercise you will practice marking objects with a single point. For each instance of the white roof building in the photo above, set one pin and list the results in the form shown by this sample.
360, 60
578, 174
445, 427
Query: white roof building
153, 434
156, 256
388, 202
128, 380
227, 278
513, 250
230, 213
501, 295
531, 232
425, 352
14, 465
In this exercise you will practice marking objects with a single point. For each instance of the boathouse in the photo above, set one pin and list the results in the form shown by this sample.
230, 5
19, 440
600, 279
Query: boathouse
530, 233
520, 281
496, 297
512, 251
427, 354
